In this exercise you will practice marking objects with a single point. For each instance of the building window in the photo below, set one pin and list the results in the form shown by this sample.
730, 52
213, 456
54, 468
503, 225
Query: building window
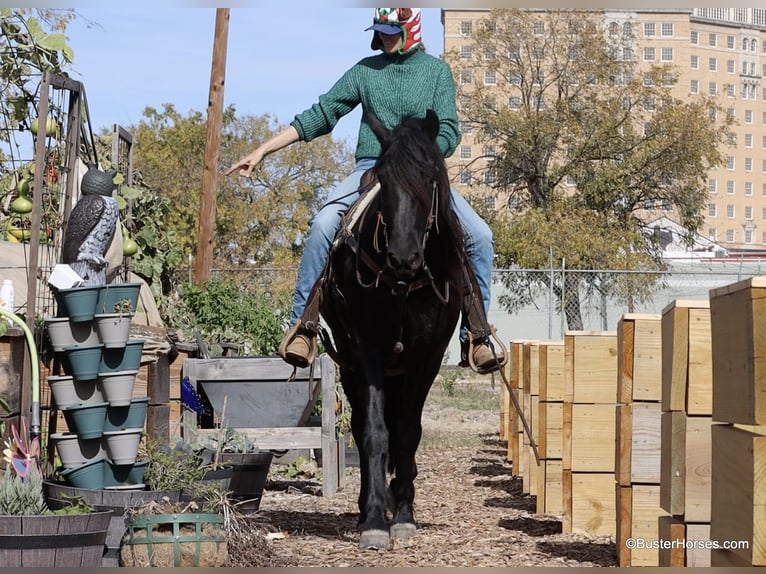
694, 88
515, 79
489, 151
748, 235
729, 187
744, 68
628, 54
711, 234
730, 42
695, 37
649, 104
649, 29
695, 62
763, 166
466, 28
571, 182
730, 211
749, 140
712, 186
748, 116
490, 53
712, 64
730, 66
649, 55
465, 176
667, 54
667, 29
748, 213
730, 163
490, 178
763, 189
745, 44
711, 210
648, 81
490, 77
465, 152
731, 91
466, 52
730, 235
514, 102
514, 203
466, 128
712, 39
466, 76
748, 164
538, 28
748, 188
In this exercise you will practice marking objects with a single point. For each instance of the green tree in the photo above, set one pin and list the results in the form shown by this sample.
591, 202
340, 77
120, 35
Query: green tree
259, 221
571, 108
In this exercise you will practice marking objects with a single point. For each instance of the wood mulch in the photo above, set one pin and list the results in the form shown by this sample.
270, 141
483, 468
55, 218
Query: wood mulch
470, 512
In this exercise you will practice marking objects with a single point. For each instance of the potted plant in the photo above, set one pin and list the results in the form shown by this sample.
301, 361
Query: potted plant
187, 533
33, 533
114, 328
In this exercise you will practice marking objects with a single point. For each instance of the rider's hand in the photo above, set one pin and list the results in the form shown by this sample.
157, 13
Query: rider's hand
247, 164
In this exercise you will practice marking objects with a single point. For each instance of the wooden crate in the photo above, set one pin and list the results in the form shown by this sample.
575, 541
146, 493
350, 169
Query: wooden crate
531, 368
687, 383
549, 487
738, 319
739, 491
638, 514
589, 437
685, 468
589, 503
551, 428
590, 366
680, 553
639, 443
551, 385
639, 358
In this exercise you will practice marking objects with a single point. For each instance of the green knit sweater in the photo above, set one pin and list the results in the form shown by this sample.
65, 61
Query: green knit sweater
391, 87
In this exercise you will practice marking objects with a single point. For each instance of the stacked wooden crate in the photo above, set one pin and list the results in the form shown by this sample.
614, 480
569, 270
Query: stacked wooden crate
639, 392
589, 432
530, 401
738, 498
550, 424
685, 466
514, 430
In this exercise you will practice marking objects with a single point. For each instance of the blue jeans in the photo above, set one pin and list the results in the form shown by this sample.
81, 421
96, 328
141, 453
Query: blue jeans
479, 244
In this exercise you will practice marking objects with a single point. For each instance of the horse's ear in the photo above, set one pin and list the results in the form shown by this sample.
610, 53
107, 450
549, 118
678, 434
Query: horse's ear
431, 124
381, 132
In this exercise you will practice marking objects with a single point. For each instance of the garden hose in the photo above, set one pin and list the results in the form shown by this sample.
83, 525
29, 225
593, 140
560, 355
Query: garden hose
34, 426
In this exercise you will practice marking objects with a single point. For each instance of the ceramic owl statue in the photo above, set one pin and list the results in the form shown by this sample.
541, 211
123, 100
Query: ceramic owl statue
91, 228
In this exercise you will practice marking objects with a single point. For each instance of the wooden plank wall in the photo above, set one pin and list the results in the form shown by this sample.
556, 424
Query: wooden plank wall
550, 427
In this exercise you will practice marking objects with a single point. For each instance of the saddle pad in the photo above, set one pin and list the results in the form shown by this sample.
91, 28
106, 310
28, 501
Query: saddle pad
354, 212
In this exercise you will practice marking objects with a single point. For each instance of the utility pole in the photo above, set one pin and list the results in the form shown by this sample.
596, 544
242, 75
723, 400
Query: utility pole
207, 209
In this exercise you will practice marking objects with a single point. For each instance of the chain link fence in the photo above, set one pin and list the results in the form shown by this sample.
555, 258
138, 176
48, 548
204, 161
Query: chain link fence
543, 304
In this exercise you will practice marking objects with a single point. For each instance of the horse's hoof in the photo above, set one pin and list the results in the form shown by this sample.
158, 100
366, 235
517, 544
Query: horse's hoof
403, 530
374, 540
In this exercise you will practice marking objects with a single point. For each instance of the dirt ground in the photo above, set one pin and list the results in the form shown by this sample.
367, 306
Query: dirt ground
469, 509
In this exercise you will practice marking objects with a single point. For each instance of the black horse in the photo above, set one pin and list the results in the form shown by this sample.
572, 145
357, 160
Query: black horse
392, 298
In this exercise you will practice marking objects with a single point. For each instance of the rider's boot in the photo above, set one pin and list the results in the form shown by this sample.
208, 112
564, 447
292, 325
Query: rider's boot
477, 351
299, 345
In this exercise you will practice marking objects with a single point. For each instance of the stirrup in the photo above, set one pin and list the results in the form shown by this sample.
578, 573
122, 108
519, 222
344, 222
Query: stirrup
500, 360
290, 336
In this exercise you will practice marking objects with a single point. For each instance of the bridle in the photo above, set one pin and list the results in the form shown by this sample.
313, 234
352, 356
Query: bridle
364, 259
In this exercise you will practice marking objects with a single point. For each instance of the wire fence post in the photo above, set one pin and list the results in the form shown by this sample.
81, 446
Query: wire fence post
550, 296
563, 296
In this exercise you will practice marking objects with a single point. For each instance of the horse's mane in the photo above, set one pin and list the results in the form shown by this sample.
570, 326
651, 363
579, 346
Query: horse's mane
411, 159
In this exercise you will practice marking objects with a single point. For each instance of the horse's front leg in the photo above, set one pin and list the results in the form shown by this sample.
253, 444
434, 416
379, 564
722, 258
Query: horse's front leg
374, 447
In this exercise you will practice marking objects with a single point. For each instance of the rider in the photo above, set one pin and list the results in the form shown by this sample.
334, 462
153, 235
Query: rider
402, 81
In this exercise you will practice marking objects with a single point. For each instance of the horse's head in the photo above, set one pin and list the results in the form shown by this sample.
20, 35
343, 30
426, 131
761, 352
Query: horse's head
413, 181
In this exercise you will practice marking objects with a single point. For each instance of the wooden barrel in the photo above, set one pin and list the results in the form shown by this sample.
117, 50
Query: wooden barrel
57, 540
114, 501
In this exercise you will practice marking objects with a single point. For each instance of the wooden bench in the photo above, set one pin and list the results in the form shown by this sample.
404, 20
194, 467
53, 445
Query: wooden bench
264, 404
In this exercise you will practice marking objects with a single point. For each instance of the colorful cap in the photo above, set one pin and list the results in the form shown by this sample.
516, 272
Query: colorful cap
394, 21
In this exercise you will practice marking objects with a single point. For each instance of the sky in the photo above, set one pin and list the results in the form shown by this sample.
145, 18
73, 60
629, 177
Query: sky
278, 62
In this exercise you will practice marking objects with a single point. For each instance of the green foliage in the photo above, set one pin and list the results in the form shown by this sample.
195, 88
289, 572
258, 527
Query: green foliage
74, 505
221, 311
20, 497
